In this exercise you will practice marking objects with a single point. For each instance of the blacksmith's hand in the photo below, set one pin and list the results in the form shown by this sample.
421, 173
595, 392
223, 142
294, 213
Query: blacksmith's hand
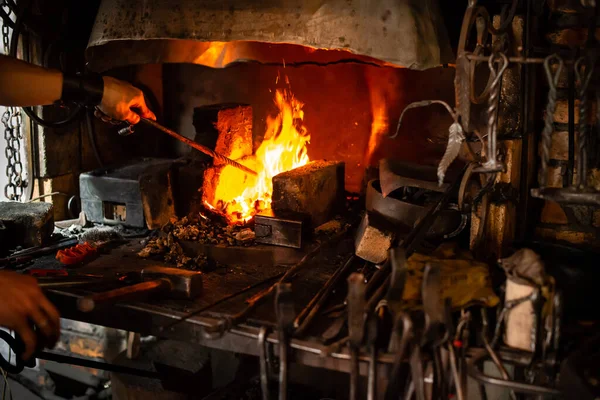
22, 305
123, 102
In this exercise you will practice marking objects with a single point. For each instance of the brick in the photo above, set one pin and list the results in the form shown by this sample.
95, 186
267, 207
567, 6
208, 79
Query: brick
594, 178
563, 78
552, 213
555, 177
316, 190
559, 148
561, 114
570, 236
373, 238
26, 224
596, 219
566, 6
225, 127
571, 37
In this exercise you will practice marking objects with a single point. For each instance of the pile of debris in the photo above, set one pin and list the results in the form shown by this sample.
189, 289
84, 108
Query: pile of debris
202, 229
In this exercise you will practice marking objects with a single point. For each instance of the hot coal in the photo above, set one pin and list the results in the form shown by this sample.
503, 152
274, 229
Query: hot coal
203, 229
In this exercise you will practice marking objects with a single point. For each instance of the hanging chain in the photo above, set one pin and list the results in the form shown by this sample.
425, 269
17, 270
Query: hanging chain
13, 134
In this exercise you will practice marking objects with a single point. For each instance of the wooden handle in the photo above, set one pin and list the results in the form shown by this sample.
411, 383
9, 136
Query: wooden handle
127, 293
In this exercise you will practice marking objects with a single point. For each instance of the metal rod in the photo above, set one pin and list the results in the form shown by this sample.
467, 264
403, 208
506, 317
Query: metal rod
119, 369
198, 146
571, 122
519, 60
318, 301
257, 299
519, 387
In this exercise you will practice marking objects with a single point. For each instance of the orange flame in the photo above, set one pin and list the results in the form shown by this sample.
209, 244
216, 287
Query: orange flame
239, 195
379, 124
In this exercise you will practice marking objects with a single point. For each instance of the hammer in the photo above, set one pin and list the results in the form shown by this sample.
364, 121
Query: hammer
178, 283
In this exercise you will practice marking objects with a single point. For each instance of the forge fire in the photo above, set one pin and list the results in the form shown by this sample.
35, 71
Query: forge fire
288, 199
238, 195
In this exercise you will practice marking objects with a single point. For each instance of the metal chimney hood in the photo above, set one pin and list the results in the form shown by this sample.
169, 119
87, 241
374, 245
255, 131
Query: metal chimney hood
218, 33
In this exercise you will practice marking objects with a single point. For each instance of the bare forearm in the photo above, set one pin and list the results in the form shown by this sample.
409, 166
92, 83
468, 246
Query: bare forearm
23, 84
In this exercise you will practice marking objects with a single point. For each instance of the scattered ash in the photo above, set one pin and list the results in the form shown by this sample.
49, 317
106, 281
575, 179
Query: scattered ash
202, 229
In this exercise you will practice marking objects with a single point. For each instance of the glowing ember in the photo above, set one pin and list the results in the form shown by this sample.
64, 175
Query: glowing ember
239, 195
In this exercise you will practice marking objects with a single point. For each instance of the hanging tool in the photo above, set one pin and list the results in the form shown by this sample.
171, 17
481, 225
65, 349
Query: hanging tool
356, 327
264, 367
177, 282
437, 322
129, 130
284, 310
579, 192
584, 69
496, 71
403, 329
372, 323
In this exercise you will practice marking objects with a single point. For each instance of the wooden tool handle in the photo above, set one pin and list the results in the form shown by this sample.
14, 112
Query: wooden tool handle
127, 293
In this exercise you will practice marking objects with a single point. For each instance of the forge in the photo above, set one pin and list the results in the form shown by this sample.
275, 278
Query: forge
338, 199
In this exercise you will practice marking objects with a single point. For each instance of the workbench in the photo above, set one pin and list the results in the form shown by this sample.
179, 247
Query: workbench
225, 291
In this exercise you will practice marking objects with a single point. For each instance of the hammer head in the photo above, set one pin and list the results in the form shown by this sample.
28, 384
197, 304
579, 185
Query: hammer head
186, 284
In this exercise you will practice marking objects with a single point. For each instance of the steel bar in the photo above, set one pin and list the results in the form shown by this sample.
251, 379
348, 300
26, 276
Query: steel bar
201, 310
519, 60
519, 387
257, 299
198, 146
356, 327
318, 301
264, 373
119, 369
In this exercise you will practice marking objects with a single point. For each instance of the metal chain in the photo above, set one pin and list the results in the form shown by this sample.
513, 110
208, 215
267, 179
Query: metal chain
549, 118
13, 134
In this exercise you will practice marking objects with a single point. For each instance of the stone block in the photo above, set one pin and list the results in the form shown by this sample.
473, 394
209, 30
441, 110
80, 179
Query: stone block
26, 224
316, 190
374, 237
552, 213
